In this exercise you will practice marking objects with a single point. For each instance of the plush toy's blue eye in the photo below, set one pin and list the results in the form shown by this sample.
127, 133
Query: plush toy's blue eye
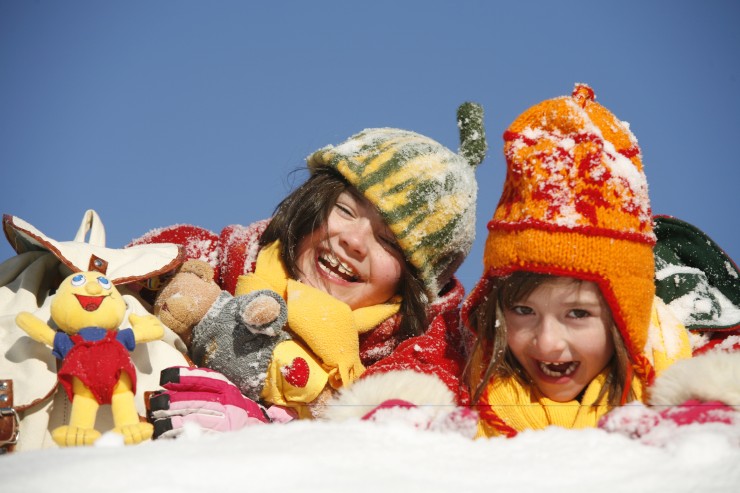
78, 280
104, 282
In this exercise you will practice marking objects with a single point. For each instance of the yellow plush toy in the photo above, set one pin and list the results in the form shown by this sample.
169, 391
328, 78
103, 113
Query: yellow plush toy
96, 367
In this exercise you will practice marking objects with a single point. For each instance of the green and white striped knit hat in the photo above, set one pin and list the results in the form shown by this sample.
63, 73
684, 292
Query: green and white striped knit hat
425, 192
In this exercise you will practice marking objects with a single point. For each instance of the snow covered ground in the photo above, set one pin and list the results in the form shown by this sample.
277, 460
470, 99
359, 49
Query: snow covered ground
373, 457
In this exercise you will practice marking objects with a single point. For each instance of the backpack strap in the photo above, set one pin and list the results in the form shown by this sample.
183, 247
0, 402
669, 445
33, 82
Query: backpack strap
9, 421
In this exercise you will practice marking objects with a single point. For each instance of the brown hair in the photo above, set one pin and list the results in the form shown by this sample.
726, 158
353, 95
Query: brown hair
487, 321
306, 209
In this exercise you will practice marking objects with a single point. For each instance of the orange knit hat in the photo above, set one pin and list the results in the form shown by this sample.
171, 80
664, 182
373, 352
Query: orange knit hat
575, 203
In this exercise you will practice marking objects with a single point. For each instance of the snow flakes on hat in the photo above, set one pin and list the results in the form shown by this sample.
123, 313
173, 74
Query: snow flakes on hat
575, 165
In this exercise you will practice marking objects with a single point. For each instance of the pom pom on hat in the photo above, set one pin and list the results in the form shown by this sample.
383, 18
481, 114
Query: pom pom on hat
473, 144
425, 192
575, 203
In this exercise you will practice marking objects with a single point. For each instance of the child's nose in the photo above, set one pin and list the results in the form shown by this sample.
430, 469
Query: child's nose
551, 336
355, 237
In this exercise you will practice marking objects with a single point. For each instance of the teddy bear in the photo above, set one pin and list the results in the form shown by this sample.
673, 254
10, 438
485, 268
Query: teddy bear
234, 335
186, 298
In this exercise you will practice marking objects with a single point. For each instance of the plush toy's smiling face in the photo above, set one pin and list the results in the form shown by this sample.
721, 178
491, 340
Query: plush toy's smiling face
87, 299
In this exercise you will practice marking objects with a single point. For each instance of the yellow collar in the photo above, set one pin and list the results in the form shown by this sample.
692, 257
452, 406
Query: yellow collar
521, 407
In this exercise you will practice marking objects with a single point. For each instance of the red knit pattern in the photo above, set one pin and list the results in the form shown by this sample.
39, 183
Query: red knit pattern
438, 352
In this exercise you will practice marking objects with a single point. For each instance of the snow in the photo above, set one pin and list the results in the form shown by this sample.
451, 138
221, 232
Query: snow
363, 456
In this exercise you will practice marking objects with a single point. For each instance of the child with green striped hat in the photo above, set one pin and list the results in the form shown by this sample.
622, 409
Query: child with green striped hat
362, 258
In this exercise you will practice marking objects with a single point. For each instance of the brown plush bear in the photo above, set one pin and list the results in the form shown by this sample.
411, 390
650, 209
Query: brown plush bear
187, 297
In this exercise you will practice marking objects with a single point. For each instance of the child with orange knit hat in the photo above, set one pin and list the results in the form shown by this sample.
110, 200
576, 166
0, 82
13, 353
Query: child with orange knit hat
567, 322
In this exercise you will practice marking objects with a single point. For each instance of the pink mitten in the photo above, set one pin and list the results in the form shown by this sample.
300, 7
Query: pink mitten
652, 425
203, 397
695, 411
633, 420
460, 420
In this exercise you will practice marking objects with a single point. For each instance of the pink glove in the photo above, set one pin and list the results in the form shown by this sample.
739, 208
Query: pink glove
203, 397
652, 425
460, 420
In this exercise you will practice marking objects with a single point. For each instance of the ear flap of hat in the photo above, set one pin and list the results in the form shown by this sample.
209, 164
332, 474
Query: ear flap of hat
88, 252
695, 277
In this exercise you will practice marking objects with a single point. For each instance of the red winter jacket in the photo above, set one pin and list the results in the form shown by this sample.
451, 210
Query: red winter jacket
440, 351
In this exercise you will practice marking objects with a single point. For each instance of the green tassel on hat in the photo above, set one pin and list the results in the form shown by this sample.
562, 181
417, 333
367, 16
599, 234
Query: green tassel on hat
473, 144
425, 192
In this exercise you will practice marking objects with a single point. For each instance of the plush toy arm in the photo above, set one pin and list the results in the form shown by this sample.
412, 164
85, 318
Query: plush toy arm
262, 312
35, 328
222, 343
146, 328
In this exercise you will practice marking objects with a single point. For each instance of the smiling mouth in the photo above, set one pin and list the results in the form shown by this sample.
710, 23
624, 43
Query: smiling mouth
90, 303
334, 267
554, 369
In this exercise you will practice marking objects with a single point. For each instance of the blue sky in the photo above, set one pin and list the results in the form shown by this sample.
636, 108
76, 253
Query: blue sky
162, 112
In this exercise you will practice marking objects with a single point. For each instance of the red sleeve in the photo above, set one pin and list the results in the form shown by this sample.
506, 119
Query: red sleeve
239, 249
439, 352
231, 254
198, 243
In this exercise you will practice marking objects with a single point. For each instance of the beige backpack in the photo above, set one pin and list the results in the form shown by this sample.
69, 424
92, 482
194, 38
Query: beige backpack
31, 402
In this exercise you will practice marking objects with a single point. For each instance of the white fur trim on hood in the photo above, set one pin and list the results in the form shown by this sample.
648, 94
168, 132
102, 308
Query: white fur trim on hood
713, 376
367, 393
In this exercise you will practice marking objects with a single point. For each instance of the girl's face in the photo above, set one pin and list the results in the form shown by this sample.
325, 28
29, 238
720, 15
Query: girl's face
560, 335
354, 257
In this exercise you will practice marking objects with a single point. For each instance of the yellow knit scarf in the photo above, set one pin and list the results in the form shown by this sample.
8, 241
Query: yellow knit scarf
327, 326
523, 407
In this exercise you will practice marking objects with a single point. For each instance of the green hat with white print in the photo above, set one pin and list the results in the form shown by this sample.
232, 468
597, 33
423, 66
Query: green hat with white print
695, 277
425, 192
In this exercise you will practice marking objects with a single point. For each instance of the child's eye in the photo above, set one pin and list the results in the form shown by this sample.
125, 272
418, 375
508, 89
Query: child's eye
522, 310
344, 209
578, 313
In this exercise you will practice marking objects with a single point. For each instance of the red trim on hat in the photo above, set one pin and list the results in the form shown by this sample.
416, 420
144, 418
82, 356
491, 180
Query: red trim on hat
627, 387
648, 239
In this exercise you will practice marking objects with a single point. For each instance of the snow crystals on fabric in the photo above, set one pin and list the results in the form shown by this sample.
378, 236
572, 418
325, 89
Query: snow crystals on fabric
567, 201
664, 341
702, 303
202, 250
